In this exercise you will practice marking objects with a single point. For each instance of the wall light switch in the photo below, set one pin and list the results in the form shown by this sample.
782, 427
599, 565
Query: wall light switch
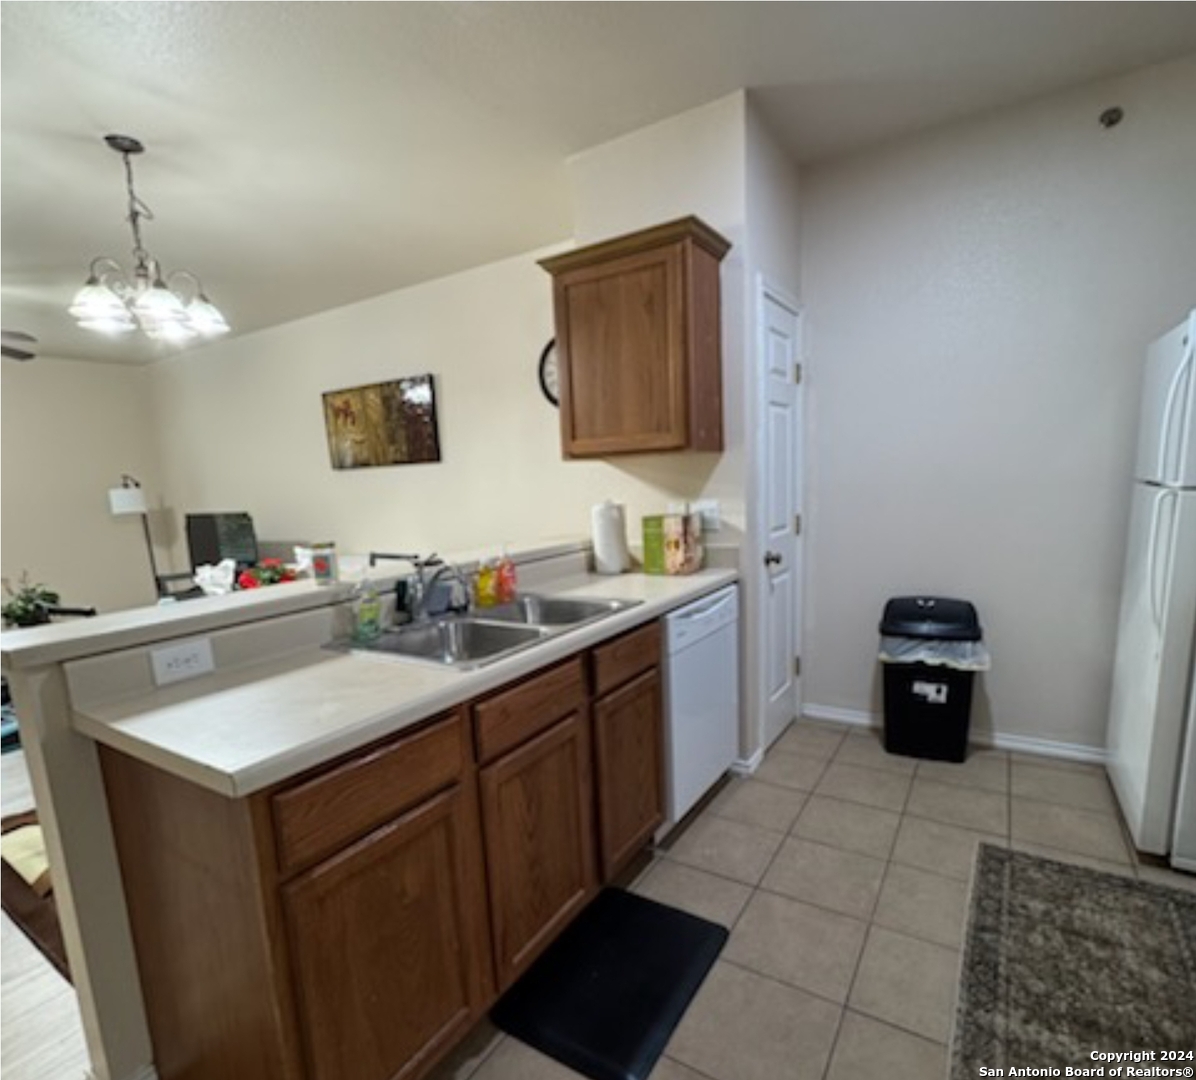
186, 660
712, 518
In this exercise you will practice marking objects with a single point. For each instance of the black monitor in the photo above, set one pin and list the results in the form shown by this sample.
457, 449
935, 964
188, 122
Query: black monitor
214, 537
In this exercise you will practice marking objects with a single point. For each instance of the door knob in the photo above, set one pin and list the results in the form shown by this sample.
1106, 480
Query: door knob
772, 558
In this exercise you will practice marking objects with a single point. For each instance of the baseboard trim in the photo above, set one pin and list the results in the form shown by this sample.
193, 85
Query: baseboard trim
1019, 744
747, 766
1027, 744
854, 717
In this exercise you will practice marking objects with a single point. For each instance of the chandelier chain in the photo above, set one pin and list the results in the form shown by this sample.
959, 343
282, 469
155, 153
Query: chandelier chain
137, 210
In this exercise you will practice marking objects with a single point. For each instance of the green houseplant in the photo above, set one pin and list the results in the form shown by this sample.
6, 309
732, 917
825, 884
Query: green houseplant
28, 605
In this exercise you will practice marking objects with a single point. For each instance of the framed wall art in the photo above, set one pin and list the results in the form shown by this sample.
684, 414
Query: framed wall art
389, 423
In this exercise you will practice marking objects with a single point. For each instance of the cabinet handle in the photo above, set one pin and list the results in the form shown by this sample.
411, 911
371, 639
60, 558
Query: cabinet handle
772, 558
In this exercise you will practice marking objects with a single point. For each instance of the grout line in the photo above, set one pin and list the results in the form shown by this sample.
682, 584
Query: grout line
685, 1065
779, 981
715, 873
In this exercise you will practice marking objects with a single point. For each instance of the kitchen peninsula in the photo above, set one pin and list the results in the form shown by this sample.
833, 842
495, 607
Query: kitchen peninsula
297, 785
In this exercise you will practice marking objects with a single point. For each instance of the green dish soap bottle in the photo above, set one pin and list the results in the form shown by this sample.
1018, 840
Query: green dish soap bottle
367, 613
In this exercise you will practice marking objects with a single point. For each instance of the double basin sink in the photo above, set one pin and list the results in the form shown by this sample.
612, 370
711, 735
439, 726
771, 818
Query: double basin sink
490, 634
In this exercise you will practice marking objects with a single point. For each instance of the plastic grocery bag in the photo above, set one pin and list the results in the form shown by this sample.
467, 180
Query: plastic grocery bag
961, 655
216, 580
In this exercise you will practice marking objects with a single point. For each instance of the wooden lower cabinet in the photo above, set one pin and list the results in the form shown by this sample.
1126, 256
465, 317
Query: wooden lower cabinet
368, 964
388, 942
354, 922
537, 816
629, 769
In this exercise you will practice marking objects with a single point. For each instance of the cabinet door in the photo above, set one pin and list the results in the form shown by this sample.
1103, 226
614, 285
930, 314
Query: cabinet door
390, 945
538, 825
621, 334
629, 752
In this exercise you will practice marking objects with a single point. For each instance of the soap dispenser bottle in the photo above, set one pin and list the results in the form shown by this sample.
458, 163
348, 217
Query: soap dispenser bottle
508, 578
367, 612
486, 585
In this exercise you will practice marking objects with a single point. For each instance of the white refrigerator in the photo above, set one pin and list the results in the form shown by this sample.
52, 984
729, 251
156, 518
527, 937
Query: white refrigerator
1152, 716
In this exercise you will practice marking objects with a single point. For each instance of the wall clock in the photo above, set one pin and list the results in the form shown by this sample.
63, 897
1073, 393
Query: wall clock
549, 375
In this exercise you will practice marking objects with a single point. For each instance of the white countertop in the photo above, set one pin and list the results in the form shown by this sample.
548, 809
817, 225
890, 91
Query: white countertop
239, 731
30, 647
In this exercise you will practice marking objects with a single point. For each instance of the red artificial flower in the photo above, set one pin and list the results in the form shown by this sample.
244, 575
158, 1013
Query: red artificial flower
267, 572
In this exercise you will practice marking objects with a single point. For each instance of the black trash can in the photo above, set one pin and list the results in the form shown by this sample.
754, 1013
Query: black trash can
928, 705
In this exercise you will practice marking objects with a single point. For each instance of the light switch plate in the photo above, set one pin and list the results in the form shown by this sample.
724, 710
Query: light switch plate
186, 660
712, 518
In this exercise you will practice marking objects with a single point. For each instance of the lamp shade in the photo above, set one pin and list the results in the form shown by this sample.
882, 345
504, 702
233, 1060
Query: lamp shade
127, 500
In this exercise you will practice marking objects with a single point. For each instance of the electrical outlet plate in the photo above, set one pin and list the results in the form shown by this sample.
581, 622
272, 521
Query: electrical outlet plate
186, 660
712, 518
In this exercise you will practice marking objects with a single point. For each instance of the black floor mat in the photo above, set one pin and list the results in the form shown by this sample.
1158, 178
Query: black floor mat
606, 996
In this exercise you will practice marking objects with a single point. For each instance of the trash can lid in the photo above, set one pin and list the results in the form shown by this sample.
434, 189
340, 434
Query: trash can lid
930, 617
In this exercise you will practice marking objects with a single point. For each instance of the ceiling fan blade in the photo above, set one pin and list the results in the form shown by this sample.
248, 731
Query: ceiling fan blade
17, 345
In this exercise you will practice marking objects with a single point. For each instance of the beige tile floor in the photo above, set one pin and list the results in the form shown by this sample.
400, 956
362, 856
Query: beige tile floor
843, 875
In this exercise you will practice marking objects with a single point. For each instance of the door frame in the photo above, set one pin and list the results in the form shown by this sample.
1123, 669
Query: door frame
751, 562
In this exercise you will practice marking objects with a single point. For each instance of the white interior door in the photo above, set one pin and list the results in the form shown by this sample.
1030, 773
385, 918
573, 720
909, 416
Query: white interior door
780, 630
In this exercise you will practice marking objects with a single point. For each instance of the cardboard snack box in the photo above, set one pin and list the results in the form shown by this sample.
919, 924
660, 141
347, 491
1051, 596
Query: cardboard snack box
673, 543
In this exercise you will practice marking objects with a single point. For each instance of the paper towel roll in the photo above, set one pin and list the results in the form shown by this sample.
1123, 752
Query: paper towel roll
609, 531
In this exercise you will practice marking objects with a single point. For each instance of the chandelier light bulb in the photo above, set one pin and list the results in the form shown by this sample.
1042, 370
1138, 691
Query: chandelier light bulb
96, 301
113, 302
106, 325
159, 304
206, 317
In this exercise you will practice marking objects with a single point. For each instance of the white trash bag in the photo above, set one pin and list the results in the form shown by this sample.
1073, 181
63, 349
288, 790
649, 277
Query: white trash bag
960, 655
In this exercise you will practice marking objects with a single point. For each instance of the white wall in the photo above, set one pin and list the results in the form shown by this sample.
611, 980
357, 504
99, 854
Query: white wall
242, 425
692, 163
979, 299
772, 198
70, 430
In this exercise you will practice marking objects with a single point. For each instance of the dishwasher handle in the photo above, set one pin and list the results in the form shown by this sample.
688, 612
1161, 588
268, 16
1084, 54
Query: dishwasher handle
702, 617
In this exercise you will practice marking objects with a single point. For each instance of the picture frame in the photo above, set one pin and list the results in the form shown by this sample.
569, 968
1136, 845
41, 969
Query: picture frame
386, 423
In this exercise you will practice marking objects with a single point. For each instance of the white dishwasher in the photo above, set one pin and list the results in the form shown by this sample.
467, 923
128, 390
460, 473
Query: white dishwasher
701, 698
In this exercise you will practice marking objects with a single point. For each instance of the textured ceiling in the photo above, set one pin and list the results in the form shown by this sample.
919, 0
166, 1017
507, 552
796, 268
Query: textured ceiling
301, 156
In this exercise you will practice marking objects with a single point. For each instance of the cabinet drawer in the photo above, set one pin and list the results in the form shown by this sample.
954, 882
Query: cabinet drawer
513, 716
326, 812
626, 656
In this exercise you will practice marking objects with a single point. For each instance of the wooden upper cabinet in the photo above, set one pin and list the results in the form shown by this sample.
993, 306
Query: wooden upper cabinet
638, 341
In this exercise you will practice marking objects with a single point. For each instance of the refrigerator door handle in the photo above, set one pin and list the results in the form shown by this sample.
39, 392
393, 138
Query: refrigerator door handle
1171, 434
1158, 567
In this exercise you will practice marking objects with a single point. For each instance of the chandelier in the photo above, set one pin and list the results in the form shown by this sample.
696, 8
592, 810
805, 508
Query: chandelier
170, 307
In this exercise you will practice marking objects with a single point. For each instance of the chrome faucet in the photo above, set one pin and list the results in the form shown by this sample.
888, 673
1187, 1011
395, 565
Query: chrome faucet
443, 568
414, 598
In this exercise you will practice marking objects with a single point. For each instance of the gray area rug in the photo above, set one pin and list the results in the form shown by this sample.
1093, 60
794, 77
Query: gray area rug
1061, 960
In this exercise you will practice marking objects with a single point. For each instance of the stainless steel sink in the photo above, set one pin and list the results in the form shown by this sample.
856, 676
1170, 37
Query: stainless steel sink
554, 611
454, 641
464, 642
